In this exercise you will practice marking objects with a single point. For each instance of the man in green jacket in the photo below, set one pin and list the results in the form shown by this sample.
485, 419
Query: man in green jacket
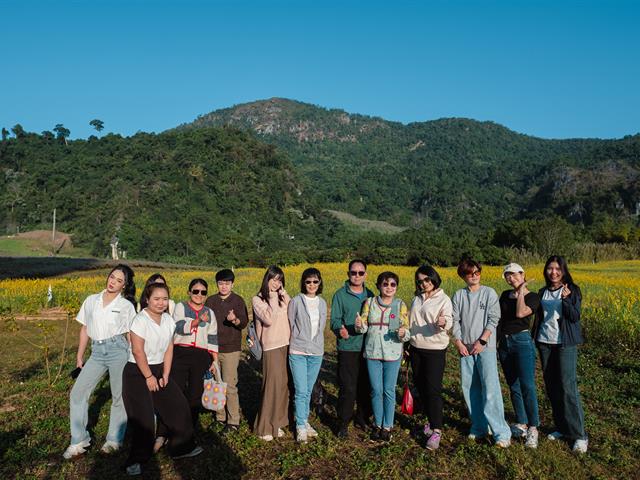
353, 378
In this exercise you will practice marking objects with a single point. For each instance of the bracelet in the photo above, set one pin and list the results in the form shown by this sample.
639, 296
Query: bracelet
146, 378
482, 342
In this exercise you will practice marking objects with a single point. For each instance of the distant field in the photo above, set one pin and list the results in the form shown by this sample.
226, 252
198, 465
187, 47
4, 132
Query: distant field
39, 243
34, 419
375, 225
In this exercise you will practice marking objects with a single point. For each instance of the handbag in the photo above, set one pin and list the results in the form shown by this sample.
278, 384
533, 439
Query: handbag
407, 397
255, 347
214, 396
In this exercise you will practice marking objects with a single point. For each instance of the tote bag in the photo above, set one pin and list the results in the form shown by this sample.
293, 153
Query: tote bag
214, 396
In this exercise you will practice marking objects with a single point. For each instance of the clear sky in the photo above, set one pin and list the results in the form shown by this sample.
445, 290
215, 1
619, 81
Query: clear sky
554, 69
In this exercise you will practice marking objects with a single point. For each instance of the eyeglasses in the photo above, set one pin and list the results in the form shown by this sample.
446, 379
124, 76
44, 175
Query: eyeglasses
309, 282
359, 273
198, 292
475, 273
423, 280
389, 284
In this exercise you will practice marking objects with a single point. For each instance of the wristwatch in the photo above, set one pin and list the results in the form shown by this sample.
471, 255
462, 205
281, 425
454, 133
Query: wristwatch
482, 342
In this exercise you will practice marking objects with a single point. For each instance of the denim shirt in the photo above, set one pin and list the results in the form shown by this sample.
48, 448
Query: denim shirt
381, 322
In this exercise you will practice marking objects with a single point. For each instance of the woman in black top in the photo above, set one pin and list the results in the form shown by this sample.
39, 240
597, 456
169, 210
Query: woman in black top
517, 353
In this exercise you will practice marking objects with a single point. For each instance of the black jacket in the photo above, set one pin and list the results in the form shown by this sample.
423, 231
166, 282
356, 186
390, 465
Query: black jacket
569, 321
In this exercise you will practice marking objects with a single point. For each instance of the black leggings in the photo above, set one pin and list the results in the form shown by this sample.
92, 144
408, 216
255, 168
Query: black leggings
428, 369
168, 404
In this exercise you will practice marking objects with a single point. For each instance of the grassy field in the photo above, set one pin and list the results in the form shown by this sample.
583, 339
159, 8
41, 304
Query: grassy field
34, 416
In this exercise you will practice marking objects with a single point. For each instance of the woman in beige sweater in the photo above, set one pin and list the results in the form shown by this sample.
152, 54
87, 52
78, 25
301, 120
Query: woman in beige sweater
273, 330
430, 318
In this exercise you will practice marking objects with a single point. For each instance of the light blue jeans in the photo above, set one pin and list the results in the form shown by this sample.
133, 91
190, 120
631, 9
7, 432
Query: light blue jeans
304, 370
482, 394
109, 355
383, 376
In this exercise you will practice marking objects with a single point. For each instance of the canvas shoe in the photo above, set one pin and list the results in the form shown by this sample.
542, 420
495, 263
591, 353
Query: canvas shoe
301, 434
532, 438
554, 436
311, 432
581, 445
434, 441
266, 438
385, 435
134, 469
518, 431
503, 443
427, 431
193, 453
475, 436
110, 447
76, 449
280, 433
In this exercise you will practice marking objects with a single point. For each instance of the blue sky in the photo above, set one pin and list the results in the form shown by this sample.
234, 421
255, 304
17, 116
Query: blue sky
549, 69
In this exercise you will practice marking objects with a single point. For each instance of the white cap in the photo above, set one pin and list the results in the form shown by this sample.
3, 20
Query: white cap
512, 268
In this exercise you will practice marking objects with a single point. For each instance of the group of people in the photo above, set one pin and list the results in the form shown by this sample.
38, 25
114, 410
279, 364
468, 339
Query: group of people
157, 354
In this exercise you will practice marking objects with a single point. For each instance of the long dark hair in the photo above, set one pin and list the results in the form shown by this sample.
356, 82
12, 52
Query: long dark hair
273, 271
564, 268
129, 290
144, 299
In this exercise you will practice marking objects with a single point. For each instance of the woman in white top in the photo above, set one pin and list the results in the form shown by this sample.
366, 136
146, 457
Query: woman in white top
155, 278
430, 318
146, 386
105, 319
307, 316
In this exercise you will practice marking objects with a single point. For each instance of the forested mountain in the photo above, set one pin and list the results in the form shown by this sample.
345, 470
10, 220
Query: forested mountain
252, 185
445, 171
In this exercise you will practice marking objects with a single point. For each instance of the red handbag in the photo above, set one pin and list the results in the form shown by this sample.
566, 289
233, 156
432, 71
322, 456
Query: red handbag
407, 397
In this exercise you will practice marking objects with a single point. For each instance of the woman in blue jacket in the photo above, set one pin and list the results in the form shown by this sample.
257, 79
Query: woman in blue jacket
558, 333
307, 313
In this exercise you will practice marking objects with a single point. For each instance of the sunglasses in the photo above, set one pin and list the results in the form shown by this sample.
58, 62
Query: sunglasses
359, 273
198, 292
423, 280
309, 282
389, 284
475, 273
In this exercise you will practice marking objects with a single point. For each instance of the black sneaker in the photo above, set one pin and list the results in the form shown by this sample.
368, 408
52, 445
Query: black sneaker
229, 429
385, 435
375, 434
343, 432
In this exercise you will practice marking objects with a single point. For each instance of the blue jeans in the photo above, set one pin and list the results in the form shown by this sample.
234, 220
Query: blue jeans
518, 358
111, 356
304, 370
383, 377
559, 369
482, 394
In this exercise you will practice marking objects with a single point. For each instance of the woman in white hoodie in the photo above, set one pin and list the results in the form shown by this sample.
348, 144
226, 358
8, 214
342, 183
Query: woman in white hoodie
430, 318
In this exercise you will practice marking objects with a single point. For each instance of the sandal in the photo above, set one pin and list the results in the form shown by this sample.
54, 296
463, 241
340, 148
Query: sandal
159, 443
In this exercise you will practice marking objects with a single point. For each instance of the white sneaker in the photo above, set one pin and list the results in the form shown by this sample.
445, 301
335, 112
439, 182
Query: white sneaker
134, 469
554, 436
532, 438
311, 432
110, 447
280, 433
301, 434
518, 431
473, 436
75, 450
266, 438
581, 445
503, 443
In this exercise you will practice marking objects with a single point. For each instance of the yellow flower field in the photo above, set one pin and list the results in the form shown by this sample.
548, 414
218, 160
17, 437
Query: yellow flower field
611, 291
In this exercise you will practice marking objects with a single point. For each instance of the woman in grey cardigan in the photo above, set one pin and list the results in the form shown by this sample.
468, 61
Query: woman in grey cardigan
307, 317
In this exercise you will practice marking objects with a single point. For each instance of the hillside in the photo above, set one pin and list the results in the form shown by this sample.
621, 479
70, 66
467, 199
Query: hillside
447, 170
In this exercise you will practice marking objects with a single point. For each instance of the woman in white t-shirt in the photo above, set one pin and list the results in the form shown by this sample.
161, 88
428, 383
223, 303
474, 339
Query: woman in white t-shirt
155, 278
307, 313
147, 390
105, 319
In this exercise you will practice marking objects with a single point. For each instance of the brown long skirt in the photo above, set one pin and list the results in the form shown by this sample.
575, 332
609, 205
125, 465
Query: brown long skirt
274, 411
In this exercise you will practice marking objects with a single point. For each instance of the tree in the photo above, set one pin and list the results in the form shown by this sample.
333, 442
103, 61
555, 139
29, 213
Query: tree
47, 135
97, 124
18, 131
62, 132
5, 134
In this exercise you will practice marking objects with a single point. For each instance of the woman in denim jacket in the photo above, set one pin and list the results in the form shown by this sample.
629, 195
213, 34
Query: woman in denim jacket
386, 322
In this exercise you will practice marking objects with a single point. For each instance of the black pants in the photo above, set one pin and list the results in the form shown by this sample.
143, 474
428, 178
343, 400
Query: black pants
428, 369
353, 379
187, 370
168, 404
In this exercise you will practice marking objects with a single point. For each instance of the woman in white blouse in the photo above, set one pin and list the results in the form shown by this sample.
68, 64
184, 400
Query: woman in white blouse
105, 319
147, 390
